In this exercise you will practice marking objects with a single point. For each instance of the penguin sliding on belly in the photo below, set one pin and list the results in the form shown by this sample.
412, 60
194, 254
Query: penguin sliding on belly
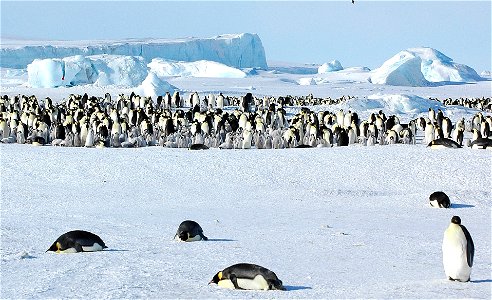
77, 241
443, 143
481, 143
458, 251
190, 231
439, 199
245, 276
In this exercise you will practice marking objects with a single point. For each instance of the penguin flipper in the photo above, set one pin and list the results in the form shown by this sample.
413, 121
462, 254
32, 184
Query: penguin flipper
78, 247
204, 237
470, 247
233, 279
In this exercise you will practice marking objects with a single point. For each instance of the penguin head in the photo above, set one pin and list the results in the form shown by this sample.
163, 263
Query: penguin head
217, 277
184, 235
55, 247
456, 220
276, 285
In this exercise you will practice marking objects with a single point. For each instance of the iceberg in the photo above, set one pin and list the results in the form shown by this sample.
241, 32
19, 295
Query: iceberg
243, 50
422, 67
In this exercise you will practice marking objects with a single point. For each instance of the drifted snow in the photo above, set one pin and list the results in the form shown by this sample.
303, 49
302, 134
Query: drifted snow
243, 50
201, 68
307, 81
154, 86
422, 67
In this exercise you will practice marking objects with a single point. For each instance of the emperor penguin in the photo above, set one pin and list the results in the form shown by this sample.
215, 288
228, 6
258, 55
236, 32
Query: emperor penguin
77, 241
443, 143
458, 251
244, 276
481, 143
247, 138
190, 231
429, 133
439, 199
220, 101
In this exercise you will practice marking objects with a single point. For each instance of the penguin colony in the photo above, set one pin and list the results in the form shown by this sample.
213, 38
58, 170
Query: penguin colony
201, 123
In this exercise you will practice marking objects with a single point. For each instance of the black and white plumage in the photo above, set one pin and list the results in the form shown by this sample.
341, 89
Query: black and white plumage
439, 199
458, 251
246, 276
77, 241
190, 231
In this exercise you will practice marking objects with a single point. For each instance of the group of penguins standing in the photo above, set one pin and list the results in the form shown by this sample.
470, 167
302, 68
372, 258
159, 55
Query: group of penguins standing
203, 122
458, 252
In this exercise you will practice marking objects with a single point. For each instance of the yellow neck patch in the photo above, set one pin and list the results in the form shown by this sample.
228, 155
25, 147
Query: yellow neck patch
220, 275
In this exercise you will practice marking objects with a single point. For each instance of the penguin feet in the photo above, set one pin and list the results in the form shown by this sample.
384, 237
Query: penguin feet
452, 279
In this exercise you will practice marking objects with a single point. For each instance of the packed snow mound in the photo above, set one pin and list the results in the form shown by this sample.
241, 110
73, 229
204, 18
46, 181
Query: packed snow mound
307, 81
201, 68
243, 50
332, 66
154, 86
101, 70
422, 67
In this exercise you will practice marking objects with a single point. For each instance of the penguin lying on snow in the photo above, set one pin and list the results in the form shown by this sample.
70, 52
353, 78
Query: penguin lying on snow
77, 241
443, 143
457, 251
198, 147
481, 143
245, 276
439, 199
190, 231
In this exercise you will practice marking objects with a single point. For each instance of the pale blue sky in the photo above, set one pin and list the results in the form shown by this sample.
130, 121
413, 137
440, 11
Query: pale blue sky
362, 34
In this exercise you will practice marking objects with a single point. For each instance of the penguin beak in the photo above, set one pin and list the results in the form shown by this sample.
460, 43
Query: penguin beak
216, 278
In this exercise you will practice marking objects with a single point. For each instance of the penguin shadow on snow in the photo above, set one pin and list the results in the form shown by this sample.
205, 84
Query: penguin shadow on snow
296, 287
116, 250
481, 281
221, 240
460, 205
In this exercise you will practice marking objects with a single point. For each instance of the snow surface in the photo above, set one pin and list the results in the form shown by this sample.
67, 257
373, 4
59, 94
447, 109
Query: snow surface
421, 67
243, 50
349, 222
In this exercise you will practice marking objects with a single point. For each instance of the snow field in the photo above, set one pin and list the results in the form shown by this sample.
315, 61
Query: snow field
349, 222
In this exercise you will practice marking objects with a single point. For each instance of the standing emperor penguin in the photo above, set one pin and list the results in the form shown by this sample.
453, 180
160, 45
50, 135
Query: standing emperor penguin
458, 251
